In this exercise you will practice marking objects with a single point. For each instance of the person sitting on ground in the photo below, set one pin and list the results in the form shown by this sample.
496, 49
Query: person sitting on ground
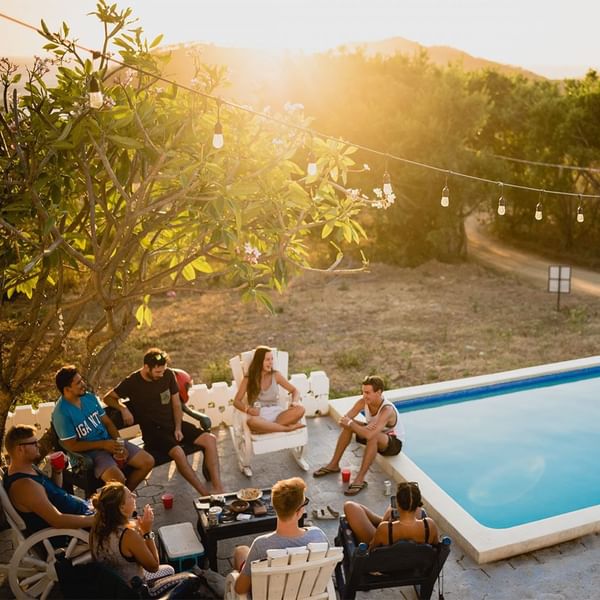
40, 502
382, 432
411, 524
289, 502
82, 426
155, 406
125, 545
261, 385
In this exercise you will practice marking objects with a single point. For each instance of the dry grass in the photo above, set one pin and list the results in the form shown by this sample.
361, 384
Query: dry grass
432, 323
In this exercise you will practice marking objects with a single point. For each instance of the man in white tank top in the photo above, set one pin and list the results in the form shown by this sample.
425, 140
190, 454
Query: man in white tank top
382, 432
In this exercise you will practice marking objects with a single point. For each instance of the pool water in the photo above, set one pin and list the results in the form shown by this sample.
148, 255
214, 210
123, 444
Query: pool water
512, 453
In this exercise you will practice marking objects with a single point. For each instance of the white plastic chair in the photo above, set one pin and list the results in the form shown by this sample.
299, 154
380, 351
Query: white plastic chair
245, 443
30, 574
303, 573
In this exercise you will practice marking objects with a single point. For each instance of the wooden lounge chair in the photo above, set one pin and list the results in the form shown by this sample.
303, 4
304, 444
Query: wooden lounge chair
303, 573
245, 443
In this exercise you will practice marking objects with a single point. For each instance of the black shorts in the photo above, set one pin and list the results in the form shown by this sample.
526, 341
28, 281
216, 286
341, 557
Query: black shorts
162, 439
394, 445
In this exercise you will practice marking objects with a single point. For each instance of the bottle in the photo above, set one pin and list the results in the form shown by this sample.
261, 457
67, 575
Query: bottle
362, 549
394, 505
120, 454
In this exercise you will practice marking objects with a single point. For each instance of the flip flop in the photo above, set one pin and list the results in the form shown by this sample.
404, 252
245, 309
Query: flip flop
321, 513
325, 471
355, 488
334, 513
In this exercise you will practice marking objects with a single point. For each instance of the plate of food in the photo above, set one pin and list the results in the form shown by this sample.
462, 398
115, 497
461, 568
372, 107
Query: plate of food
249, 494
239, 506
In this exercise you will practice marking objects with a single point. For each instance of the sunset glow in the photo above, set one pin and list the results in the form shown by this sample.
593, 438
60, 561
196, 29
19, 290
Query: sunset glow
518, 33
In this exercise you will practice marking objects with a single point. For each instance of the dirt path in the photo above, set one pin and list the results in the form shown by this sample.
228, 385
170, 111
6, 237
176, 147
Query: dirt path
491, 252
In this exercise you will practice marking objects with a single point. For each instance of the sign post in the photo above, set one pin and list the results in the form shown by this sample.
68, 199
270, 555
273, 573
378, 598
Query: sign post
559, 281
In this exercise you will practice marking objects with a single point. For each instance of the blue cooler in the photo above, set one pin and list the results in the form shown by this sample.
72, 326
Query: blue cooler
180, 546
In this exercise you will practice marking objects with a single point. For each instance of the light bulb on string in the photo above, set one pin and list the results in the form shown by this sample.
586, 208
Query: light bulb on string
218, 139
387, 181
311, 167
580, 217
538, 212
95, 95
501, 201
445, 200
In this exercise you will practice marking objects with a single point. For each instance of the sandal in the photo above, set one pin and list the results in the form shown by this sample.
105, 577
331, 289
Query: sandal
355, 488
334, 513
321, 513
325, 471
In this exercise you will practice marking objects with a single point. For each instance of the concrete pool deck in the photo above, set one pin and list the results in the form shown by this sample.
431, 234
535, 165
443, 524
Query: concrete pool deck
566, 571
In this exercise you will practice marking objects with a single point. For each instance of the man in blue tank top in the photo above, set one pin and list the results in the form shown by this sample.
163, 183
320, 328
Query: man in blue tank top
381, 433
39, 501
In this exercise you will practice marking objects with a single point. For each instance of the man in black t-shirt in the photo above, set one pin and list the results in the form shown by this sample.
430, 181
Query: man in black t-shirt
155, 406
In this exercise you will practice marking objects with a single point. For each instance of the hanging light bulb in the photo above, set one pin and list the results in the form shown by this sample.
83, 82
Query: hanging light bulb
580, 217
95, 95
218, 139
501, 206
387, 184
538, 212
311, 168
445, 200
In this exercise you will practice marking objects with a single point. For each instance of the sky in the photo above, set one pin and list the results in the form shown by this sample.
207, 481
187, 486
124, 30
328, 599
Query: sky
552, 37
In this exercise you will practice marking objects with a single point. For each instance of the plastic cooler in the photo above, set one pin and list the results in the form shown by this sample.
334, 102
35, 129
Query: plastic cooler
180, 546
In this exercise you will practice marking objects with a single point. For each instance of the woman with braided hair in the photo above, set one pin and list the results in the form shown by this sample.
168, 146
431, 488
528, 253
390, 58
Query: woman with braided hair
410, 524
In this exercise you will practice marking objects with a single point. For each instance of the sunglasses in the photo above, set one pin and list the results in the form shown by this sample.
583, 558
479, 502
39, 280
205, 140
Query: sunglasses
36, 443
306, 501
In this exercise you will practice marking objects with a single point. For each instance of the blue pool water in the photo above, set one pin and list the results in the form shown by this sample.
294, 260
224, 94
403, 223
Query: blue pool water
512, 453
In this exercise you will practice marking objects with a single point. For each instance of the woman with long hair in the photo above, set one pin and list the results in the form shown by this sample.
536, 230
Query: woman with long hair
123, 544
260, 389
410, 524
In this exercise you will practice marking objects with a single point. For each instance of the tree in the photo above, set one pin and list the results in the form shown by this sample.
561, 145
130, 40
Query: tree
101, 208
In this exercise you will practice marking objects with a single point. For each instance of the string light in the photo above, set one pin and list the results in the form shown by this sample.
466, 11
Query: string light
95, 95
580, 217
311, 167
387, 181
445, 200
501, 201
538, 209
218, 139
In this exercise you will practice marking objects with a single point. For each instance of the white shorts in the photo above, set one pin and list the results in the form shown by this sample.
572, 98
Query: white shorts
270, 413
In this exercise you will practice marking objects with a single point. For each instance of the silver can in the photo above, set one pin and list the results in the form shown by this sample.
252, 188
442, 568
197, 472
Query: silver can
387, 487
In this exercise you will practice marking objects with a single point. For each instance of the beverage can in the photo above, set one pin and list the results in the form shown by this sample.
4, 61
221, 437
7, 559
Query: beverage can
120, 455
387, 487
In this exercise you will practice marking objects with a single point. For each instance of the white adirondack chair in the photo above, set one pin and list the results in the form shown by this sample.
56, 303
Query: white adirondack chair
245, 443
30, 574
303, 573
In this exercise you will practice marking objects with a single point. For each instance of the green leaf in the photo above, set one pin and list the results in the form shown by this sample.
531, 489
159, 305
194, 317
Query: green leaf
126, 142
326, 231
202, 265
156, 41
188, 272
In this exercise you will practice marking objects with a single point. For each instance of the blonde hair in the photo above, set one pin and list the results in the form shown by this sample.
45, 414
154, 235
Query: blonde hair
109, 517
287, 495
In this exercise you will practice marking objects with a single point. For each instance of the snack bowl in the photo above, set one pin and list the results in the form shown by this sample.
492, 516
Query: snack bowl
249, 494
239, 506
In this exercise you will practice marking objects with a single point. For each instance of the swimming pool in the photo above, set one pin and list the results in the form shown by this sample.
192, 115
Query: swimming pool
506, 462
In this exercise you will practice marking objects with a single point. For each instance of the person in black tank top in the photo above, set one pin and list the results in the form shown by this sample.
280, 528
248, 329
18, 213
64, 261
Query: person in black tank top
410, 523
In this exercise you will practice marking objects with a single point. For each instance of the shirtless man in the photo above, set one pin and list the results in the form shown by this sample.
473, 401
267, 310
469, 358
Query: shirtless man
382, 432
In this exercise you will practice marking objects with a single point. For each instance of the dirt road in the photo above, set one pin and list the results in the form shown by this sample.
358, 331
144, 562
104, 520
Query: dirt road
492, 253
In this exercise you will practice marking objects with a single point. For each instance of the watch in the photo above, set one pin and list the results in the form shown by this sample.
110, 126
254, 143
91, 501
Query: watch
149, 535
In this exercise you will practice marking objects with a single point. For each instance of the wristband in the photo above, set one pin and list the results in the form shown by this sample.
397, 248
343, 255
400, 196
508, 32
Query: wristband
149, 535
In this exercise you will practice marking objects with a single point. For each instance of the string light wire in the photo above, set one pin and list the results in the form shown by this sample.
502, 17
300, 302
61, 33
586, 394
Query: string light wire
306, 130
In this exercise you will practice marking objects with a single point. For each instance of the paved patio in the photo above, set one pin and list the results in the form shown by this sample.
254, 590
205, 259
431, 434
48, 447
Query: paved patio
569, 570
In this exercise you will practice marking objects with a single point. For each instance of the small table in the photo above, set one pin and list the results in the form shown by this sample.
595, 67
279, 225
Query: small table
230, 529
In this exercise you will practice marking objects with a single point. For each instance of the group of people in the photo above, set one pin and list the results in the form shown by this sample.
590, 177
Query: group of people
127, 544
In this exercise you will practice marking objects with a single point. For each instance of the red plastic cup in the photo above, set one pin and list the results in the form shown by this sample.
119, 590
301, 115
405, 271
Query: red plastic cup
58, 461
346, 475
167, 500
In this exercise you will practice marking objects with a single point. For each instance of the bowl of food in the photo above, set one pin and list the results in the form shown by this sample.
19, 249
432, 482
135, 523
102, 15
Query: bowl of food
249, 494
239, 506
